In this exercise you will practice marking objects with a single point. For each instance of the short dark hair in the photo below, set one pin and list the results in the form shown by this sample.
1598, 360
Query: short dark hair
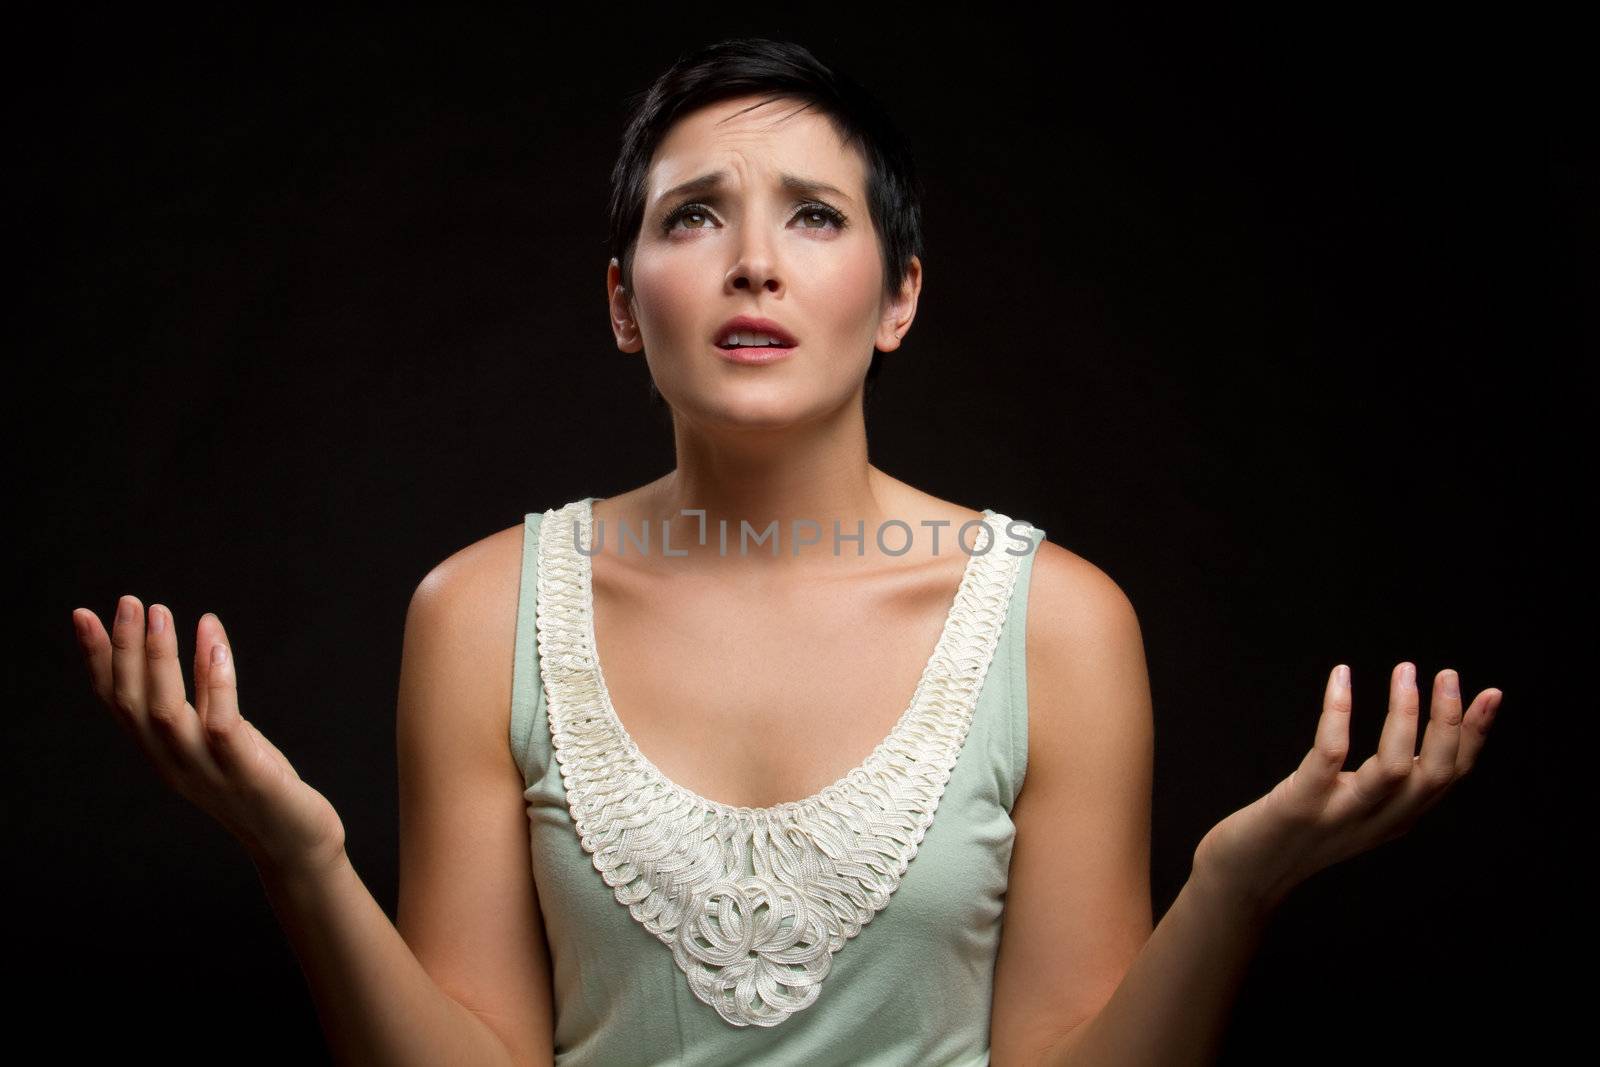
750, 66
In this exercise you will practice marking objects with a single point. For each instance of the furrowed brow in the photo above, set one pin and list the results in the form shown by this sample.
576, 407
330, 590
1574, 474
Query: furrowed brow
708, 183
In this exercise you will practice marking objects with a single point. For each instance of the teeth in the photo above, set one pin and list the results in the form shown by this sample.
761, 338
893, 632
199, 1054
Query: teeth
747, 340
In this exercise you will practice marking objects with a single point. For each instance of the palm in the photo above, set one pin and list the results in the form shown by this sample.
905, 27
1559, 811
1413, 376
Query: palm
207, 751
303, 815
1321, 814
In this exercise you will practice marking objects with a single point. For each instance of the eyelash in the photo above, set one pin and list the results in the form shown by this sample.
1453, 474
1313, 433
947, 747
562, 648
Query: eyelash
832, 214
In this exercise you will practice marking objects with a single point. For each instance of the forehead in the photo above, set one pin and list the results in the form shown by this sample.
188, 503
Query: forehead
753, 138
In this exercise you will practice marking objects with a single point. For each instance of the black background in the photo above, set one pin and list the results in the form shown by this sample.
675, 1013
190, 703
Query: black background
1271, 318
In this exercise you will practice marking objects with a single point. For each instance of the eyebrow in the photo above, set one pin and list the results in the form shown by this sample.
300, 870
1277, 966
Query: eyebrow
794, 183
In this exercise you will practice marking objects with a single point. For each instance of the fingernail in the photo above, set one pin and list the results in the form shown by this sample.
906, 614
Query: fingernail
1408, 675
125, 610
1449, 685
1342, 674
219, 654
80, 627
158, 621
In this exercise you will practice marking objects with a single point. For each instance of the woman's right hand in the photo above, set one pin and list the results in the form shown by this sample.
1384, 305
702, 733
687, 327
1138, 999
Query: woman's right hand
207, 751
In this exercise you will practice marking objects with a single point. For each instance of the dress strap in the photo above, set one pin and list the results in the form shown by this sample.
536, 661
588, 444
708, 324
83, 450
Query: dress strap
525, 684
1016, 651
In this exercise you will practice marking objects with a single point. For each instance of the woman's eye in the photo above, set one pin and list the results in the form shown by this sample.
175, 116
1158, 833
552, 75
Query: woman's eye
811, 217
687, 213
825, 215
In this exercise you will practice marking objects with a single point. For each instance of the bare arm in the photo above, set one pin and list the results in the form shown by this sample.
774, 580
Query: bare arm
464, 977
1172, 1007
1081, 978
1077, 908
468, 904
376, 1003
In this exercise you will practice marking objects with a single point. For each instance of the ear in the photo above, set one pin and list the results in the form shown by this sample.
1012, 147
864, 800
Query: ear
622, 320
898, 313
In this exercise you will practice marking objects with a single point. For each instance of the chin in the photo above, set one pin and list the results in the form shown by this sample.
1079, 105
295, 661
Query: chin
755, 409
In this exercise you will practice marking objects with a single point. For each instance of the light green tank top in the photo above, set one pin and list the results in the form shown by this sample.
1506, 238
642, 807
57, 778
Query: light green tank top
859, 926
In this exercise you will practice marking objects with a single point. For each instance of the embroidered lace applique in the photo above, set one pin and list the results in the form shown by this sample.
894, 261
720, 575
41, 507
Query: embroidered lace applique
754, 902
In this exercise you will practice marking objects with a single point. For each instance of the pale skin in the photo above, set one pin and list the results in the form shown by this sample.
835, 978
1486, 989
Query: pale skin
1082, 977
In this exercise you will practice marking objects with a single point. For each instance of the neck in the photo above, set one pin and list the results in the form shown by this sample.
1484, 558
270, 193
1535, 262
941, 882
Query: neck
808, 479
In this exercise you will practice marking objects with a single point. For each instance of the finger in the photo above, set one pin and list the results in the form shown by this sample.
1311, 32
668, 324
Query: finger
127, 662
1475, 729
172, 721
1433, 772
1436, 766
96, 647
1428, 784
1472, 738
97, 652
226, 735
1332, 744
1385, 771
1318, 771
109, 666
204, 638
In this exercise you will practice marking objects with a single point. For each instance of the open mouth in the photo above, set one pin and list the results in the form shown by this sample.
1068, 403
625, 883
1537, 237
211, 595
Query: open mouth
752, 331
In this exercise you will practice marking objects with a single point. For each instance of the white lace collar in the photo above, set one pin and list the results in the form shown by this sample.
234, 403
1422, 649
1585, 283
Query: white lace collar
754, 902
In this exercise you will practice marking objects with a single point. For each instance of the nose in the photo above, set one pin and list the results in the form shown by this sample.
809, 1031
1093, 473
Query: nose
756, 268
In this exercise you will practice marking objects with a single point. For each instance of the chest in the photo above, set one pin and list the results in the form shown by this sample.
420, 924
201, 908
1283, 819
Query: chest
759, 696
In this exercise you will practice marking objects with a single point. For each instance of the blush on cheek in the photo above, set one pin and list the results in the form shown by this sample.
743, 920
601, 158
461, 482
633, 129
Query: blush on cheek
850, 297
674, 299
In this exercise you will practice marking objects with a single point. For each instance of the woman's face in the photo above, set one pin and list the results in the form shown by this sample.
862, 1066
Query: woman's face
756, 244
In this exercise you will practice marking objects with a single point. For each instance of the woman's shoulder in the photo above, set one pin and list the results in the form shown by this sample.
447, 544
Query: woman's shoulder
480, 573
1069, 595
460, 628
1085, 652
472, 593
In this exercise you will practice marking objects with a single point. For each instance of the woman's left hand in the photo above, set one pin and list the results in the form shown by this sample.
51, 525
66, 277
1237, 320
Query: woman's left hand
1321, 814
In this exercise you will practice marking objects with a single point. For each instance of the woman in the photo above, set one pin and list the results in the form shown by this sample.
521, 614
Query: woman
747, 846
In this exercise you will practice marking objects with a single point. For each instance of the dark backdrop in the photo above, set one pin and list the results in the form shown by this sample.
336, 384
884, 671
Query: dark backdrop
1273, 320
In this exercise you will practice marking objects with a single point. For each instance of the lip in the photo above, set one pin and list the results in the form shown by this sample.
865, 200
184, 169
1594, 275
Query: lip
753, 324
755, 355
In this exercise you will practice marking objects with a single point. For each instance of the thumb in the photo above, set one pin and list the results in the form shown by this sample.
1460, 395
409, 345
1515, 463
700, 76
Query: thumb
224, 727
205, 635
